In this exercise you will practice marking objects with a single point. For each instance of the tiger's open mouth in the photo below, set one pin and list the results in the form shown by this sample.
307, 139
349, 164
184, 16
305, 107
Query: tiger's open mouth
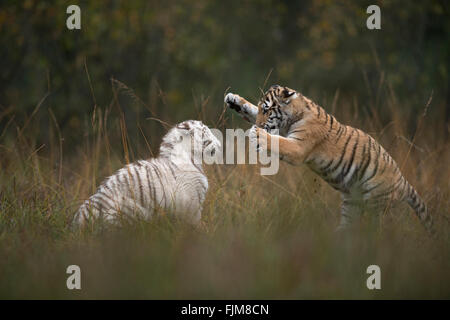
207, 143
211, 150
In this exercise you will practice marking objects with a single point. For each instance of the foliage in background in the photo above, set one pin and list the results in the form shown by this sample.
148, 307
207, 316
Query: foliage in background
74, 107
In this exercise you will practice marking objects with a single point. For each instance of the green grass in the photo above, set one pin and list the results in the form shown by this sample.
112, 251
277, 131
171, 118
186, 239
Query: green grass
260, 237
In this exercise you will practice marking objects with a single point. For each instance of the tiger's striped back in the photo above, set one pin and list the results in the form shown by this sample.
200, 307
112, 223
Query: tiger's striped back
172, 182
143, 188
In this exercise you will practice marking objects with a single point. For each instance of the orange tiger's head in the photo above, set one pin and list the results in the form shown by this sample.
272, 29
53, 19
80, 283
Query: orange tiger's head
278, 109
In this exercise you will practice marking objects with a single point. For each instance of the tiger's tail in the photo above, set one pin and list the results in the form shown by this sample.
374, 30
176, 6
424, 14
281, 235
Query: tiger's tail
419, 206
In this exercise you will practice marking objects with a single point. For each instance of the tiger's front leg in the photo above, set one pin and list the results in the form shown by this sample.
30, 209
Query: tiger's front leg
246, 110
288, 149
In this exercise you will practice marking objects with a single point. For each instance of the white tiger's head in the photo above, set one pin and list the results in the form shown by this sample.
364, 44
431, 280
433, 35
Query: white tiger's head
190, 140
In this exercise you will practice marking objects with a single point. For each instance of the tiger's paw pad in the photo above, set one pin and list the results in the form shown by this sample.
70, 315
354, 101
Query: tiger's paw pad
232, 100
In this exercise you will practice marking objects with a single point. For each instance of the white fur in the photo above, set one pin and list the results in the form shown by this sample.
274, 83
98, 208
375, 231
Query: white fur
173, 182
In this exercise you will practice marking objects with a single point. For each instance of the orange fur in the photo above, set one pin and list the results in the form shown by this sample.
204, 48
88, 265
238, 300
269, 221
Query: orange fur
349, 159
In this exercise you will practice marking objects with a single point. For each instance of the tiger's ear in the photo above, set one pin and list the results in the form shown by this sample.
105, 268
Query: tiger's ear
184, 125
288, 92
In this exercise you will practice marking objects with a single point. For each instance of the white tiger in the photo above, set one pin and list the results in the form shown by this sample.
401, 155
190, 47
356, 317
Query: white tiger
174, 181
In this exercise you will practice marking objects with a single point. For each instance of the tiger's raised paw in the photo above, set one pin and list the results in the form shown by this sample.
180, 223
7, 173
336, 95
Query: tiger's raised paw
233, 101
245, 109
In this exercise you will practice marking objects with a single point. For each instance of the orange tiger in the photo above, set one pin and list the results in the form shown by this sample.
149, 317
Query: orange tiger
347, 158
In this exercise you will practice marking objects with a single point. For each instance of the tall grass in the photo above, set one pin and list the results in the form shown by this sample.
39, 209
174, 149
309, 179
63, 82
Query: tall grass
260, 237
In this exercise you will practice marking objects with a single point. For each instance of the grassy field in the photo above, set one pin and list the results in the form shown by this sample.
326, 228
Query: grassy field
261, 237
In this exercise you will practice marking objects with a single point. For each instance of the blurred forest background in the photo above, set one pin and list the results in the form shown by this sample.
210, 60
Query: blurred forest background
75, 105
179, 58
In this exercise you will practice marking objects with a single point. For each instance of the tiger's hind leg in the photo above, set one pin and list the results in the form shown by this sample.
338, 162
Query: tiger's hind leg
354, 209
351, 210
